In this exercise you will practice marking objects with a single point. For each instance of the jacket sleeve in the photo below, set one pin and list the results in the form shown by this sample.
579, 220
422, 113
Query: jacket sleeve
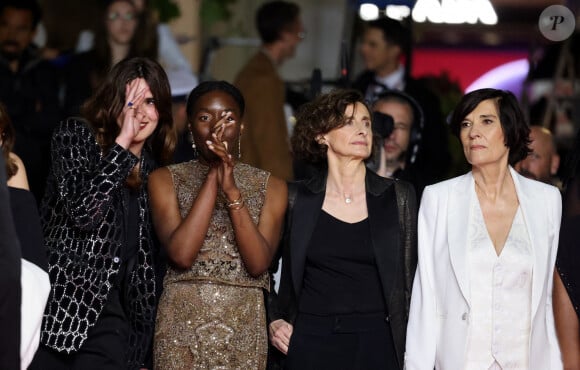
278, 302
85, 177
555, 220
409, 230
422, 326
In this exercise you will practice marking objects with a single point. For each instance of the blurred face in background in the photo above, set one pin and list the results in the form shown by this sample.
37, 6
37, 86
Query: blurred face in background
543, 161
395, 145
121, 22
379, 55
292, 37
16, 32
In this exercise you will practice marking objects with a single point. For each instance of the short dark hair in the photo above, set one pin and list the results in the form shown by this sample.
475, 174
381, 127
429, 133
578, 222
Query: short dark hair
394, 32
274, 17
318, 117
516, 130
209, 86
30, 5
103, 107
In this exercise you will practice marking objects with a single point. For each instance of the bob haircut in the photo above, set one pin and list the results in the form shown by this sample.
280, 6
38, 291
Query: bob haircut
209, 86
318, 117
106, 105
516, 130
7, 136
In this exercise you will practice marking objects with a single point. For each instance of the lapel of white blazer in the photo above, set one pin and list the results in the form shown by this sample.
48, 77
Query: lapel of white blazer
535, 219
458, 207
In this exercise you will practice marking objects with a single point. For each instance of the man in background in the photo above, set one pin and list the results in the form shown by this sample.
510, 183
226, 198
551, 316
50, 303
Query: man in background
29, 89
385, 43
543, 161
400, 146
265, 141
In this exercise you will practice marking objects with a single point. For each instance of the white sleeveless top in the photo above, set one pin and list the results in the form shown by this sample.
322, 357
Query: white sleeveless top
500, 295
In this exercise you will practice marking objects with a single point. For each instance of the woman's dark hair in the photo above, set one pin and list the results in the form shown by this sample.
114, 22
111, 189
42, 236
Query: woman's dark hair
7, 138
318, 117
105, 106
209, 86
516, 130
143, 43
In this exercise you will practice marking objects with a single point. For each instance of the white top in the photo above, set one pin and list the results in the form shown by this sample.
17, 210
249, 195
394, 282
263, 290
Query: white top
501, 295
35, 286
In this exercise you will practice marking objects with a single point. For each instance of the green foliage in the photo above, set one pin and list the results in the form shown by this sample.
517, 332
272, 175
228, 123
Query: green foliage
213, 11
166, 10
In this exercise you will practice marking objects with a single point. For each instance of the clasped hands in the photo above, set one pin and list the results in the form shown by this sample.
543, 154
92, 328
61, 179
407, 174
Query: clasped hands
224, 167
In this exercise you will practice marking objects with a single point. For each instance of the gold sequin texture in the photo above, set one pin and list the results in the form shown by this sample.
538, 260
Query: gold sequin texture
212, 316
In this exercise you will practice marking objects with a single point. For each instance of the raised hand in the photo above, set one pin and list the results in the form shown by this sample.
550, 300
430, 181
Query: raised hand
131, 116
220, 148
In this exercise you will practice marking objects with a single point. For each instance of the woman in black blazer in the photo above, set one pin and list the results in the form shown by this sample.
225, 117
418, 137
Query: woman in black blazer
349, 252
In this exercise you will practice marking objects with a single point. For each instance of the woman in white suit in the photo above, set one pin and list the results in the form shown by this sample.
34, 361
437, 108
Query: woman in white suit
487, 246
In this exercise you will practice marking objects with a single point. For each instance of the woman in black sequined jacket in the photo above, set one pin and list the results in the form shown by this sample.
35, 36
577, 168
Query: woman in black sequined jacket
96, 222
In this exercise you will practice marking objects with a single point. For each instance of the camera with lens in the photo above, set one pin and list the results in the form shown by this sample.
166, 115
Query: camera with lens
383, 124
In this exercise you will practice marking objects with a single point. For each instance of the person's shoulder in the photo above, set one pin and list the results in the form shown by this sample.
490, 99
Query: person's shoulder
73, 124
532, 187
161, 174
448, 184
74, 131
258, 67
362, 81
249, 170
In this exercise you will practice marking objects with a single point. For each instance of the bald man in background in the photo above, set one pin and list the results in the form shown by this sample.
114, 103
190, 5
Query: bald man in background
543, 162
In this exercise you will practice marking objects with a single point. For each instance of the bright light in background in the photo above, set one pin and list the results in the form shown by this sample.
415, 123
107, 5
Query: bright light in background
509, 76
454, 11
368, 12
398, 12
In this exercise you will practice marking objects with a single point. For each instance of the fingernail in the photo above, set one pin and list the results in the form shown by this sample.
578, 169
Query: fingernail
208, 142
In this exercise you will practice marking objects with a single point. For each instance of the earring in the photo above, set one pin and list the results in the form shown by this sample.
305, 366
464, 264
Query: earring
240, 146
193, 144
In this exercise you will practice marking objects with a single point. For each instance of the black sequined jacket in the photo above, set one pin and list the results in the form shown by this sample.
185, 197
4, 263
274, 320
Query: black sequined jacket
83, 222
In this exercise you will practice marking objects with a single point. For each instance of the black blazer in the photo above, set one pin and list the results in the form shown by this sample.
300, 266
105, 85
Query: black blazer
392, 213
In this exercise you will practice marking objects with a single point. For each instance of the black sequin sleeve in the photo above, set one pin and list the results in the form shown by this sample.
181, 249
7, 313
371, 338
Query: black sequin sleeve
85, 177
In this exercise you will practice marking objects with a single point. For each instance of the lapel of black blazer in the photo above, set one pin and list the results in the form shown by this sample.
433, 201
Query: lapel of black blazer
384, 223
307, 207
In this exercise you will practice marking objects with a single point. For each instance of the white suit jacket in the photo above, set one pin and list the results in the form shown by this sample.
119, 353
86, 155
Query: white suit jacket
440, 303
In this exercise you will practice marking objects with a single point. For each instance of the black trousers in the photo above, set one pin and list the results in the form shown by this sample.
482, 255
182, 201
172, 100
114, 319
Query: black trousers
349, 342
104, 349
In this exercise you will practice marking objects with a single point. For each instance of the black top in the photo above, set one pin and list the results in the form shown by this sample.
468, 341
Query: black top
27, 224
340, 275
568, 261
10, 290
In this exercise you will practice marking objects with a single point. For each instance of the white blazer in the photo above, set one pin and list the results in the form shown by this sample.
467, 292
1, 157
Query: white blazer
440, 305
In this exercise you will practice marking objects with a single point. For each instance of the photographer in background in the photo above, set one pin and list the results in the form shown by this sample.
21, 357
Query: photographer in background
398, 122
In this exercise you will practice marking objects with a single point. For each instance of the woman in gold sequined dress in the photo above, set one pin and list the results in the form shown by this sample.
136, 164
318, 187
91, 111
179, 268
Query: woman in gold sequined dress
219, 221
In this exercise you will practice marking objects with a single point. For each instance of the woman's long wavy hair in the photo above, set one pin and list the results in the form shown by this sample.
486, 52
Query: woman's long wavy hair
7, 141
103, 109
143, 44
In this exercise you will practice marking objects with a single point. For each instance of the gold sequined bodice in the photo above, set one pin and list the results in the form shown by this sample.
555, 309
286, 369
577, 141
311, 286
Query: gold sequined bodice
219, 259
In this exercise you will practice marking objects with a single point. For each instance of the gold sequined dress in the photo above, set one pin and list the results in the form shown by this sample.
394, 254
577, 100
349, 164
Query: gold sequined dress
212, 316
